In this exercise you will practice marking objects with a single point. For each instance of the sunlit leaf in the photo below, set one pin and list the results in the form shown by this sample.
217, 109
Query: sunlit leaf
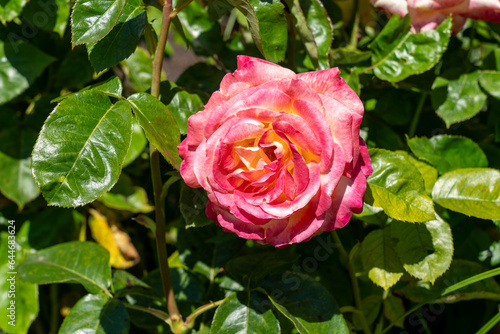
471, 191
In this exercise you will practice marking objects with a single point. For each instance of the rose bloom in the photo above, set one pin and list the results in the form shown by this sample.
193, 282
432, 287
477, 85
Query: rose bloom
278, 153
428, 14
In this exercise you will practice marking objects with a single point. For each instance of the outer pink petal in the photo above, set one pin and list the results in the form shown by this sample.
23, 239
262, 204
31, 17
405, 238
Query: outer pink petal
329, 82
254, 72
232, 224
348, 196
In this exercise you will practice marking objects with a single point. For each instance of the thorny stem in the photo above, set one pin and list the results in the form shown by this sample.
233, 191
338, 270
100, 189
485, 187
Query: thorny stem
354, 281
173, 311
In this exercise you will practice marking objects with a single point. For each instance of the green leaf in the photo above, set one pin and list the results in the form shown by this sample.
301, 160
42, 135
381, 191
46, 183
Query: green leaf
20, 65
93, 19
398, 187
489, 81
394, 309
201, 32
139, 68
137, 145
444, 291
75, 58
247, 10
304, 31
50, 16
425, 250
96, 314
372, 215
11, 9
181, 103
321, 28
448, 152
245, 312
26, 294
158, 124
84, 262
306, 303
192, 204
471, 191
370, 306
16, 141
428, 172
125, 196
346, 56
81, 148
399, 53
458, 100
111, 87
122, 40
380, 259
273, 28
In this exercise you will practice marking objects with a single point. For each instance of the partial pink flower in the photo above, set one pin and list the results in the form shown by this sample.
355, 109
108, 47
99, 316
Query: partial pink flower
428, 14
278, 153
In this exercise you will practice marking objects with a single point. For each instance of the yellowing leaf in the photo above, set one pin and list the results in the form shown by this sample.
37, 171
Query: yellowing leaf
122, 253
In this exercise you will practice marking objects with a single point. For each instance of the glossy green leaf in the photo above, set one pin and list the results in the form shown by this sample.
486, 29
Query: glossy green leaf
399, 53
181, 103
26, 294
247, 10
125, 280
322, 30
306, 303
201, 76
16, 142
20, 65
11, 9
96, 314
345, 56
84, 262
91, 20
448, 152
489, 81
192, 204
111, 87
273, 28
425, 250
139, 68
245, 312
471, 191
125, 196
137, 145
203, 34
397, 186
304, 31
50, 16
460, 270
459, 99
429, 173
122, 40
81, 148
380, 260
158, 124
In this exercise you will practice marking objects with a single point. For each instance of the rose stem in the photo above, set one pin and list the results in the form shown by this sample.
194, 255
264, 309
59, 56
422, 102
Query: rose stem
354, 281
416, 117
353, 43
156, 173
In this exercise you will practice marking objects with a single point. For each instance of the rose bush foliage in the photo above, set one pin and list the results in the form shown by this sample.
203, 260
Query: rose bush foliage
428, 14
278, 153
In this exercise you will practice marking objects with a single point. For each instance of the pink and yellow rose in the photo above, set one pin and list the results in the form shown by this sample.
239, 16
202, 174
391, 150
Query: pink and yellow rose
278, 153
428, 14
